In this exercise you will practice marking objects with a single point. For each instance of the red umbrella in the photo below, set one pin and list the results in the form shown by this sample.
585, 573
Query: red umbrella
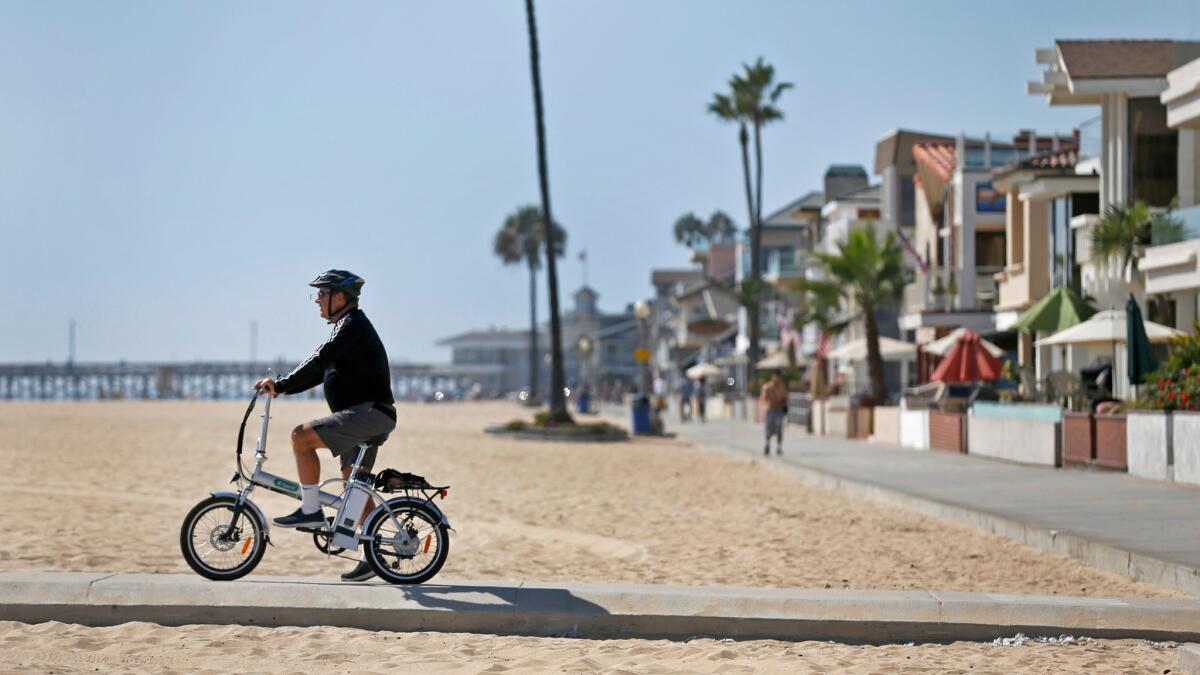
969, 361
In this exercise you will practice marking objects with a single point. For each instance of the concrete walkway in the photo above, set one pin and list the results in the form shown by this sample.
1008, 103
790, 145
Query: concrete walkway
1144, 529
588, 610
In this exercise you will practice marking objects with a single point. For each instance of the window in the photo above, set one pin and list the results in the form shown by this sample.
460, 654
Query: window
1060, 242
989, 249
1153, 152
908, 202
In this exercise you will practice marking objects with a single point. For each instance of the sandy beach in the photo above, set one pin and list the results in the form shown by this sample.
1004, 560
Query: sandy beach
116, 478
113, 480
222, 649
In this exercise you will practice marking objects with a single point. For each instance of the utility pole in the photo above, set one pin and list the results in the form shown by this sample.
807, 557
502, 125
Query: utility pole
71, 344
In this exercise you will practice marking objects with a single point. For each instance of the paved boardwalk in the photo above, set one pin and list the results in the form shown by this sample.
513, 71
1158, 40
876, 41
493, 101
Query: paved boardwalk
1146, 529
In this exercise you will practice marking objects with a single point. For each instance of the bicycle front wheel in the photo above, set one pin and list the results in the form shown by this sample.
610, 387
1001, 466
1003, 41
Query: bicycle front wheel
411, 553
215, 550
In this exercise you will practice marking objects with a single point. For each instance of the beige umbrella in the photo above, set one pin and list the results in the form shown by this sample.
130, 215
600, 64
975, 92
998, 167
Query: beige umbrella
703, 369
943, 345
889, 348
777, 360
1106, 327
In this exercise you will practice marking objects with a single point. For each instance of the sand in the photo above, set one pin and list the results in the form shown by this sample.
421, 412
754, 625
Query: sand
62, 647
110, 482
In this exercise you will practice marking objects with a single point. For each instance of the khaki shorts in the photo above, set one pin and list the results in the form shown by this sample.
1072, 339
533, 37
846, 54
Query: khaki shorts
343, 431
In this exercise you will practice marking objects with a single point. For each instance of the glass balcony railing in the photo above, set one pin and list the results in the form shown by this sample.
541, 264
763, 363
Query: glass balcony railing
1089, 139
1189, 221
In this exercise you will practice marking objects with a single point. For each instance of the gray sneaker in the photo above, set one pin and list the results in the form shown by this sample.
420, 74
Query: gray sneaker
299, 518
361, 572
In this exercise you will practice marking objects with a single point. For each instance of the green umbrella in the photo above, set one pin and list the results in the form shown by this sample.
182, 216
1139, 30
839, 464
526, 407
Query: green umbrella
1137, 344
1059, 310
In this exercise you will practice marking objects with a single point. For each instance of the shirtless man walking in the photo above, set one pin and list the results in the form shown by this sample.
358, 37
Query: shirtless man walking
775, 396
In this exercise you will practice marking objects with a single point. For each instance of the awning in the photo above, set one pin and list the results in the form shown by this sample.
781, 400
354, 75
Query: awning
779, 359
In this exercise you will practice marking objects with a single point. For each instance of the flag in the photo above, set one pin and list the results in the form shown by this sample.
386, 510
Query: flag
583, 256
912, 251
822, 346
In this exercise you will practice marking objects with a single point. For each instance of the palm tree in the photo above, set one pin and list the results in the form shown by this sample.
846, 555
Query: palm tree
1124, 231
691, 231
729, 108
820, 308
758, 95
558, 401
520, 241
752, 101
869, 276
720, 227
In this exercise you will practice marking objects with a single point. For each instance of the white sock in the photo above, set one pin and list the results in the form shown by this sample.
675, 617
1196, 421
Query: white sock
309, 500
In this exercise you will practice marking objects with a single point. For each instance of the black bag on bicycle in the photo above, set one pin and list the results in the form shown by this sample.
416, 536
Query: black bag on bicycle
391, 480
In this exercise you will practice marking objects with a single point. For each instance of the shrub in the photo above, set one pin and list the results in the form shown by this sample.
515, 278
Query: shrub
1176, 383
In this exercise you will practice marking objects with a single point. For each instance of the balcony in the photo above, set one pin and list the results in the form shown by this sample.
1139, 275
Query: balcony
938, 291
782, 268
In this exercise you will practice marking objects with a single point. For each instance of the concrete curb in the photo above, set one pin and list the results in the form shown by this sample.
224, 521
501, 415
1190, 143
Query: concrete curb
589, 610
1189, 659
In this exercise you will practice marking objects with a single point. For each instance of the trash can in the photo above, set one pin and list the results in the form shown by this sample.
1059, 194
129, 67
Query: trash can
583, 401
641, 415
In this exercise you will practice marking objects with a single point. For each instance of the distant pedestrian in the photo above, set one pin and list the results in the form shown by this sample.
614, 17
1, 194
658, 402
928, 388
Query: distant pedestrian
774, 397
701, 397
686, 389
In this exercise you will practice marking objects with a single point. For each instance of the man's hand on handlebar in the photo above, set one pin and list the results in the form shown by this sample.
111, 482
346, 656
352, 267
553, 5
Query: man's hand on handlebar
266, 385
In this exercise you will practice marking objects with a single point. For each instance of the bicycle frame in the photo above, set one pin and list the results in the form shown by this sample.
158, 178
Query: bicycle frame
260, 478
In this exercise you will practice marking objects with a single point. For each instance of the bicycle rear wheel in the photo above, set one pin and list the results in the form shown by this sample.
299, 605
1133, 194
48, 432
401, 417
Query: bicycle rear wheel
215, 552
412, 553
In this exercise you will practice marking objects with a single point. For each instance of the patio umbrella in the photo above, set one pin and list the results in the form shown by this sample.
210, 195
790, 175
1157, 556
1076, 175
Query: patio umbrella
1059, 310
703, 369
777, 360
943, 345
969, 361
890, 349
1107, 327
1141, 358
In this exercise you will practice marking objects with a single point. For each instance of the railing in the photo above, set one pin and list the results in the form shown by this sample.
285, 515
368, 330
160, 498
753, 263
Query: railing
938, 290
776, 267
1089, 139
1189, 218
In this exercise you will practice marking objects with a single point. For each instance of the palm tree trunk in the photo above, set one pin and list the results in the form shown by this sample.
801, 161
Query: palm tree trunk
755, 246
874, 360
558, 404
534, 370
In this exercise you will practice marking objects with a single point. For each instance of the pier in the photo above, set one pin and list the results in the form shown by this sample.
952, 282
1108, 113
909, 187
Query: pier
182, 380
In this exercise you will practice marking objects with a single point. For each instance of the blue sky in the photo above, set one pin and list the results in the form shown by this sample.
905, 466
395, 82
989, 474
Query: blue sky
171, 171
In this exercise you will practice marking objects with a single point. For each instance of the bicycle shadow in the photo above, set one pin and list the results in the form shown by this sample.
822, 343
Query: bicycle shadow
518, 598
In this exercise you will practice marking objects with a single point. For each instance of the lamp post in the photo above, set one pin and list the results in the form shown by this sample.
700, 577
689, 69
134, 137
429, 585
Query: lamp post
641, 309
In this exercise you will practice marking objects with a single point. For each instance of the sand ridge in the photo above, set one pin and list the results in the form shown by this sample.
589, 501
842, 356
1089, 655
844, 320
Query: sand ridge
61, 647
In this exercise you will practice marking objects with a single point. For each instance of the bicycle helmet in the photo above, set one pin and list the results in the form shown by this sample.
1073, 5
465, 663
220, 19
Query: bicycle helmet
339, 280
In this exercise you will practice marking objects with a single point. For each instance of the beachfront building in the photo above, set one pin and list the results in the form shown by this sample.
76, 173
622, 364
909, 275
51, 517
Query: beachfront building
959, 236
598, 347
1139, 152
1044, 193
896, 167
1172, 270
492, 362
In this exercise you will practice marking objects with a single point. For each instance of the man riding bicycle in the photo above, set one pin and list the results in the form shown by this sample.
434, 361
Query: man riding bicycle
353, 366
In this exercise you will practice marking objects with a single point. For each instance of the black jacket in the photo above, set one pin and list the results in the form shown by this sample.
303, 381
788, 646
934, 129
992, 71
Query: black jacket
351, 363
